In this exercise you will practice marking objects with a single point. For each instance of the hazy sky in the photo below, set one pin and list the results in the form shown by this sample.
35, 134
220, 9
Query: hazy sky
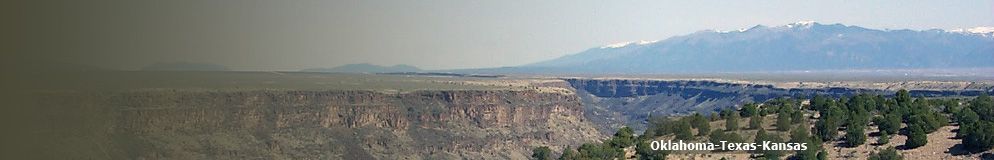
440, 34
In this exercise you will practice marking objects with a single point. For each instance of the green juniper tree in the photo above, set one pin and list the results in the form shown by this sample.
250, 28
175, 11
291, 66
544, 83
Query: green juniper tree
783, 121
889, 123
916, 137
981, 135
542, 153
977, 133
855, 129
569, 154
703, 126
773, 154
811, 153
624, 137
749, 110
599, 151
883, 139
797, 117
682, 131
760, 136
855, 135
732, 122
819, 103
731, 137
756, 122
829, 122
801, 134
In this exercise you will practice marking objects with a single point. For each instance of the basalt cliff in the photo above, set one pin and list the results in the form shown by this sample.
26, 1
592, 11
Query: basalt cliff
171, 124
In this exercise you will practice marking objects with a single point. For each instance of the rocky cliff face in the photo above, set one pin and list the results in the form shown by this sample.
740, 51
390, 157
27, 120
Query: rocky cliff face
491, 124
611, 103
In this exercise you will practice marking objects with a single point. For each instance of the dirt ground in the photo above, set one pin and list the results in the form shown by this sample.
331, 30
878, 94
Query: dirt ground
941, 145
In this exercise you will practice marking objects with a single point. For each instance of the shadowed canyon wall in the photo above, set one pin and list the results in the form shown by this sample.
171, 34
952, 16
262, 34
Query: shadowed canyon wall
611, 103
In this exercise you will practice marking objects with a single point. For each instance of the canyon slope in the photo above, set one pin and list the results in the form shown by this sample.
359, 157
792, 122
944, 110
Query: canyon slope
614, 102
260, 115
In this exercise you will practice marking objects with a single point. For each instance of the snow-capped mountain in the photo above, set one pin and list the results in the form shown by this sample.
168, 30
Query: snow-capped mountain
983, 31
624, 44
803, 45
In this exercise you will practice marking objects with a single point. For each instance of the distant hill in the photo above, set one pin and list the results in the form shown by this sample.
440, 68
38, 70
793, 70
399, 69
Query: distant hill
184, 66
801, 46
365, 68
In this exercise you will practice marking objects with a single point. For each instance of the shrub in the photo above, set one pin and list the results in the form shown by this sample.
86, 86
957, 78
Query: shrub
625, 137
773, 154
827, 128
599, 151
886, 154
797, 117
542, 153
983, 106
569, 154
731, 137
759, 138
702, 124
732, 122
645, 152
756, 122
883, 139
916, 137
980, 136
889, 123
683, 131
855, 134
749, 110
783, 121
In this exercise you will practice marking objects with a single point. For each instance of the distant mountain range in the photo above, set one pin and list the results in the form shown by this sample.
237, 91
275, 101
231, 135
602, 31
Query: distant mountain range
184, 66
365, 68
798, 46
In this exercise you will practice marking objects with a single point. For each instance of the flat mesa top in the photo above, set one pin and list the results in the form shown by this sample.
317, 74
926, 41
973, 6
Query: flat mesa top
312, 81
302, 81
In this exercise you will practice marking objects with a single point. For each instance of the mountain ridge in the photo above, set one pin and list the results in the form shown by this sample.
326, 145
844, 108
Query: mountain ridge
365, 68
796, 46
184, 66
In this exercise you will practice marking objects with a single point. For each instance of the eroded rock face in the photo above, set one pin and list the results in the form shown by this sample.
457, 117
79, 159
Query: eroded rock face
494, 124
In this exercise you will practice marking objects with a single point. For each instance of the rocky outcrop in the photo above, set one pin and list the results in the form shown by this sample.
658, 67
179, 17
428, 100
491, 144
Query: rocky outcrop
469, 124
